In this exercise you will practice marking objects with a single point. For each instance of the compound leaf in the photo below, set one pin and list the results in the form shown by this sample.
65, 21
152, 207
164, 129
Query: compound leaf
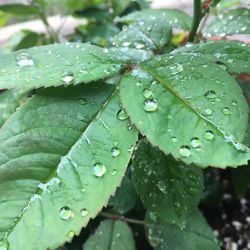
111, 235
62, 155
189, 108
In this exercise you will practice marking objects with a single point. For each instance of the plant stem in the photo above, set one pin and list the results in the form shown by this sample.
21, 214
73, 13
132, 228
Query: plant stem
122, 218
51, 32
197, 16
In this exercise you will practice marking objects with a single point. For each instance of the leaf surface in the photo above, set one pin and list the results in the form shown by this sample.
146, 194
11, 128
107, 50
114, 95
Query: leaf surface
166, 187
189, 108
19, 9
235, 21
57, 168
234, 55
111, 235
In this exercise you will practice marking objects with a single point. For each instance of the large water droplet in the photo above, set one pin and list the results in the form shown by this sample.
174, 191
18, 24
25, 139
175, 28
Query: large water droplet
84, 212
65, 213
195, 142
209, 135
150, 105
24, 59
4, 245
122, 115
99, 169
147, 93
226, 111
115, 151
185, 151
67, 77
210, 94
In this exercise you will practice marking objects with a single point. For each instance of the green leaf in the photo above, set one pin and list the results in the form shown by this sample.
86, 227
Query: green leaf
144, 34
19, 9
120, 6
10, 100
166, 187
54, 65
189, 108
235, 55
235, 21
197, 234
28, 40
173, 17
57, 169
125, 197
111, 235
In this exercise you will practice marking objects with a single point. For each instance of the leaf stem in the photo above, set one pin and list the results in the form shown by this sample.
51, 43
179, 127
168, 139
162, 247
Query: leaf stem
197, 16
122, 218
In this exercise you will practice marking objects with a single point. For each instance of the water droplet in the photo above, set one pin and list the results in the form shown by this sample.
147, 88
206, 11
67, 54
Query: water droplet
147, 93
71, 234
234, 103
99, 169
82, 101
122, 115
115, 151
24, 59
185, 151
208, 111
173, 139
114, 172
209, 135
67, 77
150, 105
131, 148
210, 94
195, 142
65, 213
222, 65
83, 190
226, 111
84, 212
115, 143
4, 245
176, 68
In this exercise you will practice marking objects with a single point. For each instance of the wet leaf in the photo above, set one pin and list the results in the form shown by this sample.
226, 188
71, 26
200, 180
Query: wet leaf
235, 55
166, 187
188, 107
56, 165
111, 235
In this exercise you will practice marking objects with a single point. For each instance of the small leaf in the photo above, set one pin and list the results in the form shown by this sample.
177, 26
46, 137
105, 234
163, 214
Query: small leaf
144, 34
197, 234
58, 64
173, 17
235, 55
189, 108
111, 235
19, 9
166, 187
56, 165
125, 197
10, 100
235, 21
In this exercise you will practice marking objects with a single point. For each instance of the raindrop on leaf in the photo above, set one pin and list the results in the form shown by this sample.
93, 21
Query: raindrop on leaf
65, 213
209, 135
185, 151
115, 151
99, 169
122, 115
150, 105
84, 212
24, 59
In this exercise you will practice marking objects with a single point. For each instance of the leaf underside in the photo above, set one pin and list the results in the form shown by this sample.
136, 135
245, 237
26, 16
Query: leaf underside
48, 151
198, 113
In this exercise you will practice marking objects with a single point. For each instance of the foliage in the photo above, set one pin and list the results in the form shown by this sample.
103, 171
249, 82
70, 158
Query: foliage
119, 123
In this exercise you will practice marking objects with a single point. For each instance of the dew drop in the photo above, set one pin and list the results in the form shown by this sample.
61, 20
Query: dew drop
234, 103
99, 169
114, 172
82, 101
84, 212
208, 111
4, 245
176, 68
147, 93
222, 65
185, 151
195, 142
115, 143
71, 234
122, 115
226, 111
209, 135
24, 59
210, 94
65, 213
67, 77
173, 139
150, 105
115, 152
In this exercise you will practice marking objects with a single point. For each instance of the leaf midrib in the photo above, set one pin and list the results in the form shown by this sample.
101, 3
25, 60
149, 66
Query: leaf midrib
54, 172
